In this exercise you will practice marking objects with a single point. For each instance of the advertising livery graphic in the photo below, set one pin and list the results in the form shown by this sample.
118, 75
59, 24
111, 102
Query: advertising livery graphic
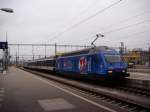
82, 64
67, 64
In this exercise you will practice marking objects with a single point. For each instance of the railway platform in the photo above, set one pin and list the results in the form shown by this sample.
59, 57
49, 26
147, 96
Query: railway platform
139, 75
139, 80
21, 91
140, 70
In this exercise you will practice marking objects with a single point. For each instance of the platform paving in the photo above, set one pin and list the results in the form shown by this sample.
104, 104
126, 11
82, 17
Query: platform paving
140, 70
21, 91
139, 75
139, 80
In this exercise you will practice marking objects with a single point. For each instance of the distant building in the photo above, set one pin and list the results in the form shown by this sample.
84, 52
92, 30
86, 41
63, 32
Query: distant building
132, 56
144, 57
137, 55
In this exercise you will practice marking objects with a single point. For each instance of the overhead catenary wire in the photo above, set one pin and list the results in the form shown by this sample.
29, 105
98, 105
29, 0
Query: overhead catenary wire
120, 22
127, 19
128, 26
81, 13
130, 35
89, 6
118, 29
133, 34
86, 10
85, 20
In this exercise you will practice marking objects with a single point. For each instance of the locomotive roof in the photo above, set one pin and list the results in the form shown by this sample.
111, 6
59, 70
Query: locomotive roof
47, 58
91, 50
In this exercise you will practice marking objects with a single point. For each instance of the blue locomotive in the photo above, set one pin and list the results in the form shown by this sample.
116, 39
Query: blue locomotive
98, 62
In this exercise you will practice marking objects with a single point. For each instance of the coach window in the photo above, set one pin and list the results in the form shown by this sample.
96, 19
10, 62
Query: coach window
44, 63
48, 62
54, 62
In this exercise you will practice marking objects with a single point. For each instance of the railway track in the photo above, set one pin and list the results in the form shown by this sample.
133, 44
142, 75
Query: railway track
119, 103
133, 90
118, 96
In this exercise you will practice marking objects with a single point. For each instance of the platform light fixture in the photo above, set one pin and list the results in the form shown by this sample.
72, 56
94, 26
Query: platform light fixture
9, 10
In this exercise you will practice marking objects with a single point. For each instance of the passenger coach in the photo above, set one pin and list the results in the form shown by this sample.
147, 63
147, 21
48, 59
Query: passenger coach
43, 64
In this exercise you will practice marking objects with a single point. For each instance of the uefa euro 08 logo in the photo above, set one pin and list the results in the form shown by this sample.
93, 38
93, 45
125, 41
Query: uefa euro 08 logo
82, 64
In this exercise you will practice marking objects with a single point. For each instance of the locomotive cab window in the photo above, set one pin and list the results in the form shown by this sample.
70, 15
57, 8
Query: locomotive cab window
112, 58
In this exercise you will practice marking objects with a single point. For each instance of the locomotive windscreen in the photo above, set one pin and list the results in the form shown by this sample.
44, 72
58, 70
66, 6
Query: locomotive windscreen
112, 58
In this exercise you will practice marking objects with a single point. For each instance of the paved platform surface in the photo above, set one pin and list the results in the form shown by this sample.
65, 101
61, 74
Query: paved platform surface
140, 76
21, 91
140, 70
141, 67
139, 80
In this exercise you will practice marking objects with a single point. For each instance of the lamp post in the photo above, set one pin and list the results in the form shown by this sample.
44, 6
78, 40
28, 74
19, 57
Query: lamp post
149, 56
5, 56
9, 10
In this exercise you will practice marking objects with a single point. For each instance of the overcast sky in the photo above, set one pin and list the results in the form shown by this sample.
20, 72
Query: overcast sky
40, 21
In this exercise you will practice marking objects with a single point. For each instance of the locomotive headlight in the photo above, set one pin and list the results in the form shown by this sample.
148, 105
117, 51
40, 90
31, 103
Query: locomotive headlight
109, 71
123, 71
